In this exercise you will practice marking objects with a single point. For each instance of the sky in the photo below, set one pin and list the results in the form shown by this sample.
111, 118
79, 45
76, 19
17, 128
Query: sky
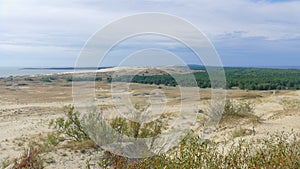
51, 33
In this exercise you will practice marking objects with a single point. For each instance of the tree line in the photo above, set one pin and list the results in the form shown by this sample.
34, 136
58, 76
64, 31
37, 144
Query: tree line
242, 78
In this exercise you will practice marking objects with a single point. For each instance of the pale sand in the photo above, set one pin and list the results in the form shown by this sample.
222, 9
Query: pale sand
31, 115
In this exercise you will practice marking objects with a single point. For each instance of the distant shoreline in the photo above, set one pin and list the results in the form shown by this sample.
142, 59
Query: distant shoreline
30, 71
33, 71
191, 66
65, 68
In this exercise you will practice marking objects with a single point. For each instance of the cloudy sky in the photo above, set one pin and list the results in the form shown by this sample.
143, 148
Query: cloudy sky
51, 33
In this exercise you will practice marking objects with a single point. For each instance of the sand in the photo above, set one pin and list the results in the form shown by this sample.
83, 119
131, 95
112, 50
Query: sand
25, 112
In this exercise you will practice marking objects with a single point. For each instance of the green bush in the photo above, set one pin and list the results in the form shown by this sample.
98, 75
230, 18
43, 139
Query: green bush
234, 109
46, 79
136, 129
71, 126
83, 78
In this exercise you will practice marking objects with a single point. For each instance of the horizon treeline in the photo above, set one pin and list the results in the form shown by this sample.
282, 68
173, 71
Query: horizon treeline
242, 78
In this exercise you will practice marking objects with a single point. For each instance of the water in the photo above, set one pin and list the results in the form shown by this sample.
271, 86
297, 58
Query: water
14, 71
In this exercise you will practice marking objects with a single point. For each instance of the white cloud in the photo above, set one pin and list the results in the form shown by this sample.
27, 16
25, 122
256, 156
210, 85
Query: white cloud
66, 25
260, 18
255, 19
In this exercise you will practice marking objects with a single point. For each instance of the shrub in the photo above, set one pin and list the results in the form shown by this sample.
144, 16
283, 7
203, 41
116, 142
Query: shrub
71, 126
237, 111
28, 79
234, 109
30, 159
45, 79
83, 78
281, 150
135, 130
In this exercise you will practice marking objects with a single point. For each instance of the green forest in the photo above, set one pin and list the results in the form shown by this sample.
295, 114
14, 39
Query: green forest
242, 78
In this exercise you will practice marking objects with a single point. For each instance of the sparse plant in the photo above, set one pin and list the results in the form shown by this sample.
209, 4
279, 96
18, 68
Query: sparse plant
30, 159
52, 139
71, 126
133, 129
280, 150
239, 110
4, 163
240, 132
136, 129
290, 104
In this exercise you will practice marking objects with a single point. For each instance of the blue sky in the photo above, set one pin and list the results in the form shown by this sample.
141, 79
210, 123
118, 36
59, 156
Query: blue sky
51, 33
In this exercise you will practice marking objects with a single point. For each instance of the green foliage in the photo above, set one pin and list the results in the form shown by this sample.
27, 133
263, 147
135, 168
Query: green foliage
109, 79
28, 79
281, 150
52, 140
83, 78
71, 126
239, 132
155, 79
263, 79
120, 125
136, 129
235, 109
243, 78
46, 79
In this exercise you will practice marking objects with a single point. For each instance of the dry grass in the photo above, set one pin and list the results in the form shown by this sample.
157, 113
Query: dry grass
276, 151
241, 132
238, 113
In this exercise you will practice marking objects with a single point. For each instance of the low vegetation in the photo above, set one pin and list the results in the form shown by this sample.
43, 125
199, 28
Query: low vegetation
83, 78
280, 150
290, 104
242, 78
30, 159
70, 126
234, 112
240, 132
